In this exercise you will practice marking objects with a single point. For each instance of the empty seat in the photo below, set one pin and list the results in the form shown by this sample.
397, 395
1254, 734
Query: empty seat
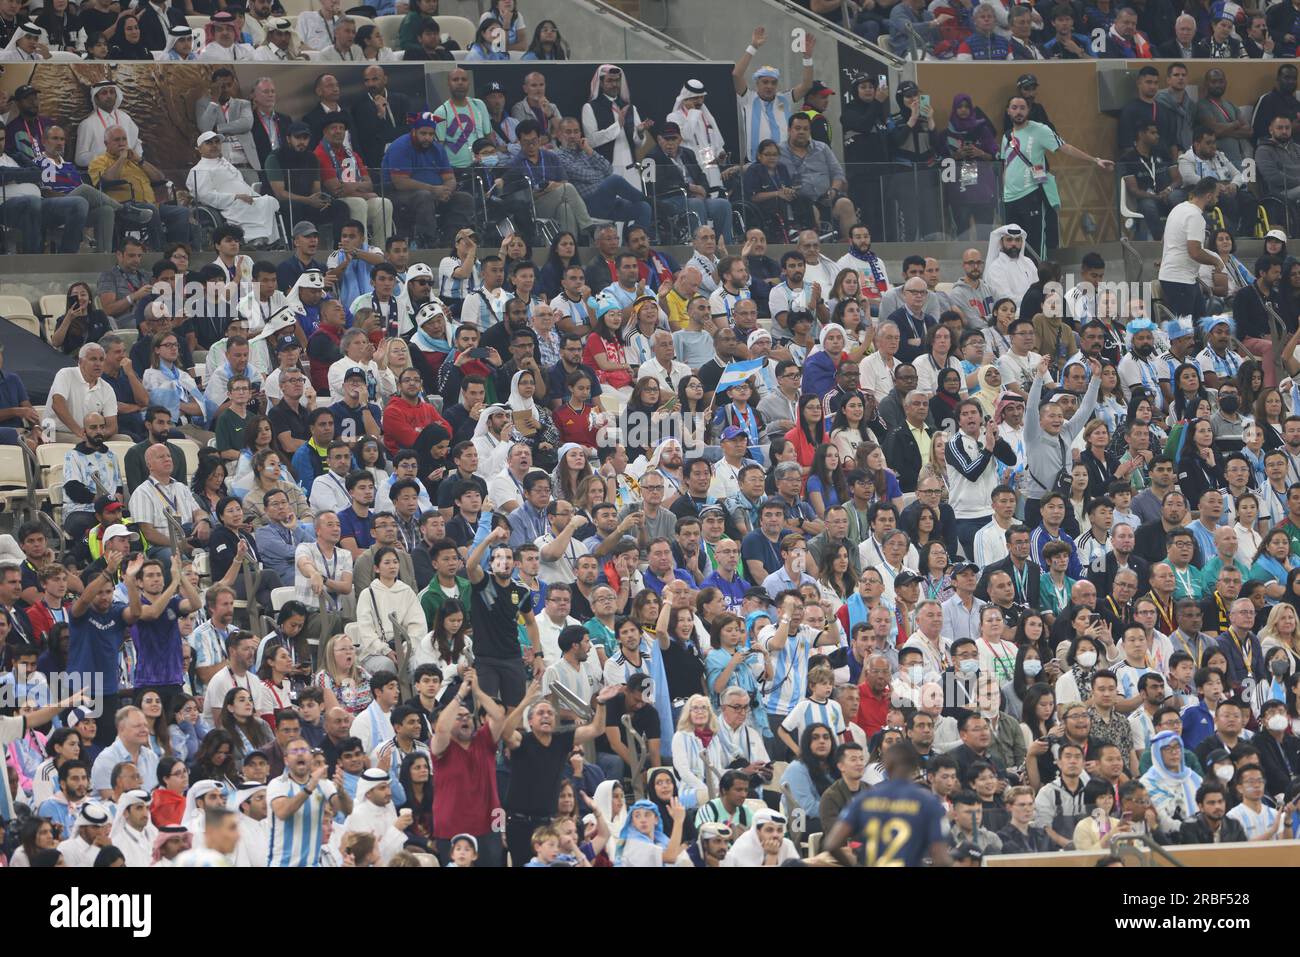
280, 596
54, 304
458, 28
191, 450
29, 323
390, 25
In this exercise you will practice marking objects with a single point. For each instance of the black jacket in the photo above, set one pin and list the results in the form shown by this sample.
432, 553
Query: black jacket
904, 457
1281, 762
263, 142
1196, 831
868, 119
1031, 581
668, 176
372, 132
1103, 579
153, 30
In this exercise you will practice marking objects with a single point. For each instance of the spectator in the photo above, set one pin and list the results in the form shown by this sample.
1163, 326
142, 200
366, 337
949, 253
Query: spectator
677, 171
215, 182
819, 175
1182, 46
420, 173
1183, 250
1065, 44
1279, 101
765, 110
1222, 43
553, 195
224, 46
1124, 41
971, 142
547, 44
121, 174
607, 194
345, 176
1149, 178
913, 139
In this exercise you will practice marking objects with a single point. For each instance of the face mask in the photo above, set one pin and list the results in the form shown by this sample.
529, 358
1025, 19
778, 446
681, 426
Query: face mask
1279, 668
1224, 774
915, 673
1086, 658
491, 159
1032, 667
970, 666
1229, 404
1276, 722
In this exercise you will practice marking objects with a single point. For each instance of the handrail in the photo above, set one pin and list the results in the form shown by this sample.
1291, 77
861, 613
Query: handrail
640, 26
1136, 844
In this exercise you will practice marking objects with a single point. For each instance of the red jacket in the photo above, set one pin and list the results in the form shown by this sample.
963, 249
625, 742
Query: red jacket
320, 367
403, 422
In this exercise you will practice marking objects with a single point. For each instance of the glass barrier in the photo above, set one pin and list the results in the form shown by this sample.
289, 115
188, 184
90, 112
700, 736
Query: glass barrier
945, 200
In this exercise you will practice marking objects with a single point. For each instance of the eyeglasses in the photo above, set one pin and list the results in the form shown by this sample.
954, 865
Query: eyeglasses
737, 707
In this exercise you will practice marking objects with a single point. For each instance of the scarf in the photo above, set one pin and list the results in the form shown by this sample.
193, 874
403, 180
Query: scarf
517, 402
630, 834
987, 395
876, 267
705, 735
426, 343
1182, 782
1083, 679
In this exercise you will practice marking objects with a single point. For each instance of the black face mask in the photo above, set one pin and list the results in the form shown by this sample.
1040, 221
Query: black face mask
1279, 668
1229, 404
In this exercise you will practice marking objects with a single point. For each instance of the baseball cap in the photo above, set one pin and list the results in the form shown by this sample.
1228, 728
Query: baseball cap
670, 129
907, 577
333, 119
818, 88
967, 852
115, 531
960, 567
285, 343
908, 88
298, 128
758, 335
356, 372
305, 228
492, 86
1026, 80
734, 432
204, 137
25, 91
1278, 234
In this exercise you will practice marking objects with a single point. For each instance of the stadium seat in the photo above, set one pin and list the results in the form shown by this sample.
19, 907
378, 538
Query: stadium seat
15, 305
459, 29
1128, 218
128, 336
389, 27
191, 450
54, 304
13, 473
28, 322
120, 448
279, 596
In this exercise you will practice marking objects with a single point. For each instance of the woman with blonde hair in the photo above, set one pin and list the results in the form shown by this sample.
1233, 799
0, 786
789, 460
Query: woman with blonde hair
1282, 630
393, 357
937, 467
695, 729
345, 683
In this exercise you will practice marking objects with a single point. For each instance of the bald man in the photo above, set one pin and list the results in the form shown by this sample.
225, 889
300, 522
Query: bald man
159, 496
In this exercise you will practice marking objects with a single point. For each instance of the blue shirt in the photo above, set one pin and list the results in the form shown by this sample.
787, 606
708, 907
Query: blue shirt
94, 640
351, 526
733, 591
653, 583
424, 166
12, 394
1198, 724
158, 645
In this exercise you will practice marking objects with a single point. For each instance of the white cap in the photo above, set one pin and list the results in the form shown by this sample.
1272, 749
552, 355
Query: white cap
204, 137
115, 531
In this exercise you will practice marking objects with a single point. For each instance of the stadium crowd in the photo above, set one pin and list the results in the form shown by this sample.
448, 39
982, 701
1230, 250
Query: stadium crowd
622, 561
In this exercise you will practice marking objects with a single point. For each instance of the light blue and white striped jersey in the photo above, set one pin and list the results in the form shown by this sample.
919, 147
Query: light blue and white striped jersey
296, 841
808, 712
450, 288
789, 670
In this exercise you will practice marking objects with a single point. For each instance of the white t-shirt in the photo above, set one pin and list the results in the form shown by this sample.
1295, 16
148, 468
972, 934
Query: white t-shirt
1185, 222
151, 502
81, 398
336, 568
565, 568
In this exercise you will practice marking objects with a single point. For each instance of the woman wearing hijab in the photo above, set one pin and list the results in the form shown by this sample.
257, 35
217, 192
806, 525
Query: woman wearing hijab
662, 791
127, 42
609, 800
531, 423
431, 343
943, 404
1170, 783
433, 445
989, 382
820, 368
971, 143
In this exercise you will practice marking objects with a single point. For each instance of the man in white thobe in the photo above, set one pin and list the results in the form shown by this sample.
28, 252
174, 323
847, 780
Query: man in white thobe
215, 182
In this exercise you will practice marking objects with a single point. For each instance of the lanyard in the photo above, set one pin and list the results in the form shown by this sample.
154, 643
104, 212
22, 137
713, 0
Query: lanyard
272, 130
171, 505
330, 568
1245, 650
1167, 616
1185, 579
1021, 580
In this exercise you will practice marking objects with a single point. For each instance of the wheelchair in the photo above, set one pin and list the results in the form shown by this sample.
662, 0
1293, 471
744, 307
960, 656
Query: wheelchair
512, 210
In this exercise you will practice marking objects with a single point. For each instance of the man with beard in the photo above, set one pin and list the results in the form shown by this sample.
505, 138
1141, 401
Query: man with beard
1008, 272
971, 295
380, 115
419, 172
1277, 159
88, 460
1279, 101
293, 172
1250, 312
1220, 115
1029, 190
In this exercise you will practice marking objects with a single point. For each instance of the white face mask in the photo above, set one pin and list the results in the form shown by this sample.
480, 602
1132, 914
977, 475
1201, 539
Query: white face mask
1086, 658
915, 673
1032, 667
1276, 722
502, 563
1224, 773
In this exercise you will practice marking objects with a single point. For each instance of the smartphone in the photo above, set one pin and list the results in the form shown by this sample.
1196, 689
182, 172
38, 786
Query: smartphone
881, 80
925, 102
478, 353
